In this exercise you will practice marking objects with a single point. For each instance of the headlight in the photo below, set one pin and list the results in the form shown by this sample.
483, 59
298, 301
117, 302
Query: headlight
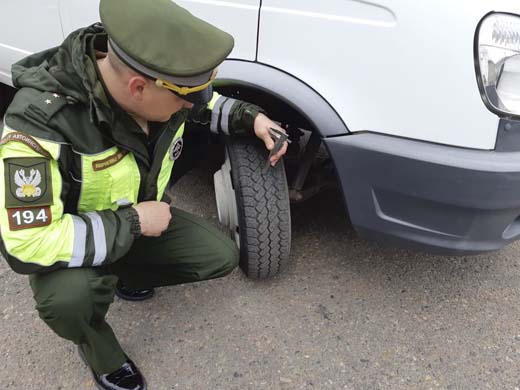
498, 70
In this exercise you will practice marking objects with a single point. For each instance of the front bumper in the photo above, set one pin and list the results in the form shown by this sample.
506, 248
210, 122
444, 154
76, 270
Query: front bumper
427, 196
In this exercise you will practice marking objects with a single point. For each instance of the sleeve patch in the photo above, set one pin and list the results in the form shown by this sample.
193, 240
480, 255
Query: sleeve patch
26, 140
29, 217
27, 182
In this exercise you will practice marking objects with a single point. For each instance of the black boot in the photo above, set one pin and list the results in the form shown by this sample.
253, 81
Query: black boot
129, 294
126, 377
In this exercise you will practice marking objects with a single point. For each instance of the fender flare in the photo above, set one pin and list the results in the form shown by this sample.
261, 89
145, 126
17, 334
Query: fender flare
309, 103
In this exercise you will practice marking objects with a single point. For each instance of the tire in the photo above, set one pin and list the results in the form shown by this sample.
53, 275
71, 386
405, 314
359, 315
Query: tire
261, 208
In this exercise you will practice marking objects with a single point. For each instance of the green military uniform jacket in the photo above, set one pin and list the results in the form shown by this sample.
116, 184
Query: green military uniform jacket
72, 160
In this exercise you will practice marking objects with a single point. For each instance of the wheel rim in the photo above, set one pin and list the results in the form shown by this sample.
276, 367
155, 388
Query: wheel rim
226, 199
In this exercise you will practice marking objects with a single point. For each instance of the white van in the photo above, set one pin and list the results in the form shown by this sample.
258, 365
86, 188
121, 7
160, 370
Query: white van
412, 107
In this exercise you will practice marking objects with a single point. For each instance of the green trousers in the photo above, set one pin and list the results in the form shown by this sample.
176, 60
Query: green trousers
74, 302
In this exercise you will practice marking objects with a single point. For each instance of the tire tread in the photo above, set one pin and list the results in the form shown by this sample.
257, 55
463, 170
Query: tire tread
263, 209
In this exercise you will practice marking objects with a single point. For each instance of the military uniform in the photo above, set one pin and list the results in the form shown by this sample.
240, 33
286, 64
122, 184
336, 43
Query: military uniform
73, 163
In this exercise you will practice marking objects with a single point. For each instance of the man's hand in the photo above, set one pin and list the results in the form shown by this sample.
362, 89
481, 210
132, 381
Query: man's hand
262, 126
153, 217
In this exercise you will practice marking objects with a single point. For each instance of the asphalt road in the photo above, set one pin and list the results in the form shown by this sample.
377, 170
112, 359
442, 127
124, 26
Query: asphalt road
347, 314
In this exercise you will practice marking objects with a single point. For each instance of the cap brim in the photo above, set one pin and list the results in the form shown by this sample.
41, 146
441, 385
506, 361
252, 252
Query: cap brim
201, 97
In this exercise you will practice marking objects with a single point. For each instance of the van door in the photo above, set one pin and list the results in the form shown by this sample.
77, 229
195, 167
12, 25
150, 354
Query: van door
27, 26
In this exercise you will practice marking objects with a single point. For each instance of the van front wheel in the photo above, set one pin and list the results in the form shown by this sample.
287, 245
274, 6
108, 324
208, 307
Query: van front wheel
253, 202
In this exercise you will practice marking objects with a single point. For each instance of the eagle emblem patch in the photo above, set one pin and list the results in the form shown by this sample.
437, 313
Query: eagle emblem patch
28, 182
28, 185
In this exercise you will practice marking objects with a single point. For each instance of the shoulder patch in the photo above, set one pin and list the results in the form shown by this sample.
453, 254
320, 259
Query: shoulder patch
46, 105
26, 140
27, 182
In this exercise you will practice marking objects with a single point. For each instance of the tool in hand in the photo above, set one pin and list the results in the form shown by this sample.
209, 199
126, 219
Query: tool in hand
280, 137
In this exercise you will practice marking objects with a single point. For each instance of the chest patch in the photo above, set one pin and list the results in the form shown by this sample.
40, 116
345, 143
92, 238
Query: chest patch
109, 161
28, 182
176, 149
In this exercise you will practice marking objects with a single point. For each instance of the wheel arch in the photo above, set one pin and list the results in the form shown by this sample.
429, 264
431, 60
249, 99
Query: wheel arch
260, 83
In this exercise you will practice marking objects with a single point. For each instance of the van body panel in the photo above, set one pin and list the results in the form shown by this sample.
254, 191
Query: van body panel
396, 67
